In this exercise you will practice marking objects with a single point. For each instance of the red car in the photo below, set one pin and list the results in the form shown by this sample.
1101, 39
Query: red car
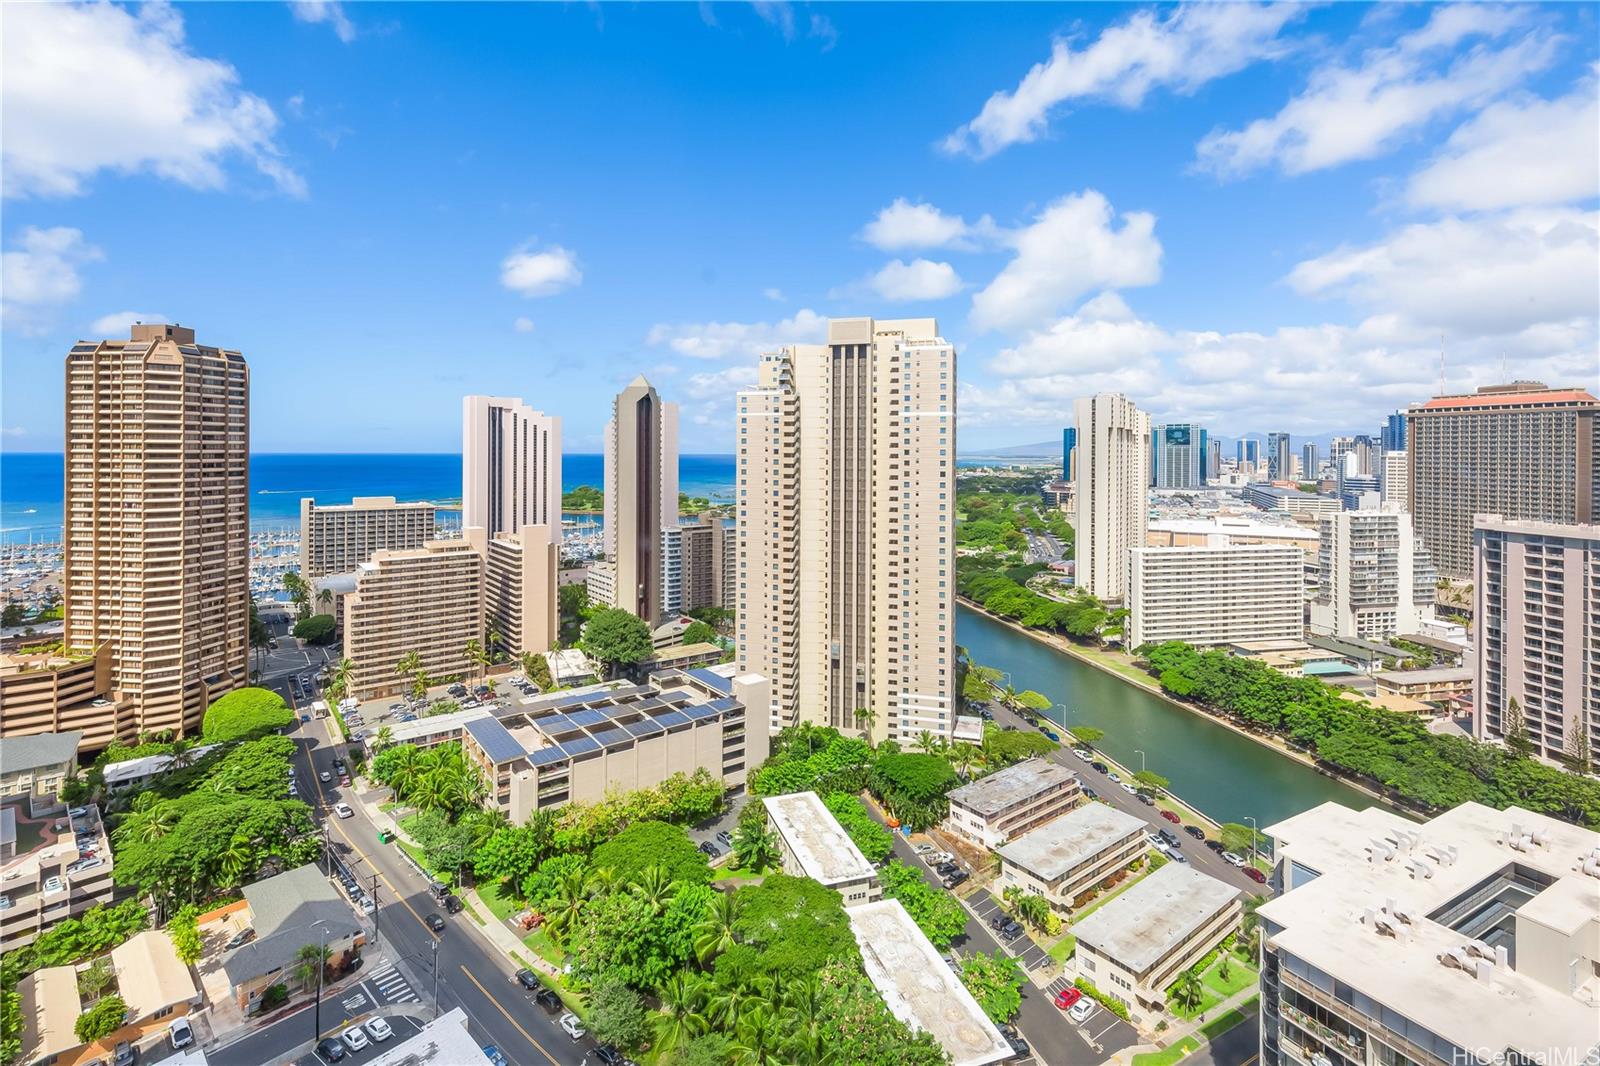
1255, 875
1173, 818
1067, 997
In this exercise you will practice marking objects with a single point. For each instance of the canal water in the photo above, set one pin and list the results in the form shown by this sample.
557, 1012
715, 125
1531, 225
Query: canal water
1225, 775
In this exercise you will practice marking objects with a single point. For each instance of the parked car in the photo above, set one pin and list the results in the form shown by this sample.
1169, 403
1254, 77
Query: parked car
453, 904
1144, 798
547, 998
1216, 846
725, 838
1081, 1010
435, 922
378, 1029
1052, 735
1011, 930
956, 878
1084, 753
1177, 856
710, 849
1000, 918
1102, 767
528, 980
923, 848
1234, 859
1195, 831
492, 1053
355, 1038
325, 777
1067, 997
945, 869
1171, 817
1091, 793
572, 1026
1255, 875
330, 1049
180, 1034
243, 936
608, 1055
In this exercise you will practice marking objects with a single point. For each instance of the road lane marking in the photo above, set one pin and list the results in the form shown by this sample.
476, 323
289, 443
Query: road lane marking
508, 1017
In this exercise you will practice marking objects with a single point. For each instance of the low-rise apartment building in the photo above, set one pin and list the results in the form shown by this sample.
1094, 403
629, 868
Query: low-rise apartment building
50, 875
545, 751
815, 845
1471, 938
1432, 685
1010, 802
1062, 860
1134, 947
48, 690
287, 912
1215, 594
35, 767
335, 539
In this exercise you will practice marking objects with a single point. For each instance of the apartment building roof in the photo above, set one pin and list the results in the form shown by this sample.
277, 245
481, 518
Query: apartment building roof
1053, 849
50, 1009
919, 989
283, 910
1438, 675
134, 769
1156, 915
1502, 399
18, 754
824, 850
1006, 788
495, 740
1373, 905
150, 975
444, 1041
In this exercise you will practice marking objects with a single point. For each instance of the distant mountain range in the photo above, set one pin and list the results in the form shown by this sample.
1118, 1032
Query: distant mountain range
1048, 449
1043, 450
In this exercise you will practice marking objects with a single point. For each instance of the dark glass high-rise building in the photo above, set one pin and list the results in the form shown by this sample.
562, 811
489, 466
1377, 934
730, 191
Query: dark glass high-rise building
1394, 432
1069, 441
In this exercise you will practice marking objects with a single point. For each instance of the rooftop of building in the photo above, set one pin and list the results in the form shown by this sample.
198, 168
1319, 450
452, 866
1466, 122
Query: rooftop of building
1355, 648
283, 910
1514, 393
20, 754
1056, 847
1433, 675
444, 1041
1379, 915
150, 975
339, 584
919, 989
42, 848
1239, 525
1143, 924
1006, 788
114, 774
41, 657
50, 1008
1537, 528
373, 503
825, 851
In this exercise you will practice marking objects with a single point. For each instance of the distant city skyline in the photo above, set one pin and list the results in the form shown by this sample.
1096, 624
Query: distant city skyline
1260, 204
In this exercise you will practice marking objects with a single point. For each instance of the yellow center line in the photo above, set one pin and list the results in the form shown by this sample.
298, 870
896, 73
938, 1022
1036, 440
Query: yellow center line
509, 1017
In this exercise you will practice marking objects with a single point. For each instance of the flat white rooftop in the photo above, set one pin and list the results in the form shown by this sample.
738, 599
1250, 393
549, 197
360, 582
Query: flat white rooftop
919, 989
1056, 847
825, 851
1006, 788
1153, 917
442, 1042
1348, 863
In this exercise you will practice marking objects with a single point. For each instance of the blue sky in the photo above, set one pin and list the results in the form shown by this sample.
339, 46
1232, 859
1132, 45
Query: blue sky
1256, 217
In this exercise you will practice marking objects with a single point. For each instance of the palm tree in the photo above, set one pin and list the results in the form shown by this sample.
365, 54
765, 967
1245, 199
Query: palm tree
760, 1034
681, 1018
235, 861
309, 961
729, 1005
654, 886
754, 849
420, 683
806, 1001
406, 772
409, 664
602, 881
182, 753
963, 757
865, 717
477, 656
714, 934
1186, 990
572, 895
325, 600
149, 825
339, 680
924, 742
1250, 924
496, 644
383, 739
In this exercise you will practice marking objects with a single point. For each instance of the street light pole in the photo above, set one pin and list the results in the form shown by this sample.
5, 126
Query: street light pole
1254, 832
436, 977
322, 967
1140, 753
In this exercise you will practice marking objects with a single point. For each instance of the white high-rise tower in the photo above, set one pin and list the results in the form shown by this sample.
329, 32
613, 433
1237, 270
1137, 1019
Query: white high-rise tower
1113, 491
510, 466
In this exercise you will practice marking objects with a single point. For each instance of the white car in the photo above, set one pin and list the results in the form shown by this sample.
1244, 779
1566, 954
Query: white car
1083, 753
378, 1029
354, 1038
343, 810
922, 849
1113, 775
1081, 1010
1129, 789
1234, 859
180, 1034
572, 1026
325, 777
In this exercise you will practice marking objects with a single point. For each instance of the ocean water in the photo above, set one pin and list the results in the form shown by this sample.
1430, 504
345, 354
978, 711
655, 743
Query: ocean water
31, 482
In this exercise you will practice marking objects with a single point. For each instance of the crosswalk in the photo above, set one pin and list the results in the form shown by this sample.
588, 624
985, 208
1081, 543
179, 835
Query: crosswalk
392, 987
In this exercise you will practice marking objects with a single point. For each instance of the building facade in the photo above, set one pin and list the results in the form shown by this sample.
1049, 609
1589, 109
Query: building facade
1280, 452
1374, 577
1067, 857
1215, 595
429, 600
1393, 487
1309, 464
1289, 501
846, 529
699, 561
1536, 608
1520, 450
336, 539
1113, 505
1010, 802
45, 690
520, 603
1394, 432
1069, 441
156, 562
1178, 456
510, 466
1470, 938
813, 844
641, 495
35, 767
63, 873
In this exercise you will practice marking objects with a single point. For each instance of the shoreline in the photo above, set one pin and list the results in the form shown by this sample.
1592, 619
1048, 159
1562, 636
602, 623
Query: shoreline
1061, 644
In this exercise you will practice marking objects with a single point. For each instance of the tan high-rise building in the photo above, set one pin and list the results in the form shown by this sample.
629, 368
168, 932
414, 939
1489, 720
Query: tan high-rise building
846, 513
510, 466
1113, 471
1536, 613
335, 539
698, 562
641, 489
1520, 450
520, 590
157, 553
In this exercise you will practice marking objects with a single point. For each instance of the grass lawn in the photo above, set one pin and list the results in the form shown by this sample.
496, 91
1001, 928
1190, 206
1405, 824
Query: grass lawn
1177, 1052
502, 907
1227, 1020
1214, 988
723, 873
1061, 950
544, 947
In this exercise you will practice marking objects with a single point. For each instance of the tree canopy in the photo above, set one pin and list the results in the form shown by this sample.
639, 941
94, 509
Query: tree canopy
318, 629
913, 787
938, 914
795, 925
245, 713
651, 843
870, 835
614, 638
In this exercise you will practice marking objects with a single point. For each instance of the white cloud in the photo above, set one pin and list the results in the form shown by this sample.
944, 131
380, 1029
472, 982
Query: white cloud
780, 15
119, 323
1518, 153
718, 340
99, 87
1071, 248
541, 273
1104, 334
1195, 44
710, 395
1347, 113
905, 226
523, 324
920, 279
40, 272
773, 294
329, 11
1495, 273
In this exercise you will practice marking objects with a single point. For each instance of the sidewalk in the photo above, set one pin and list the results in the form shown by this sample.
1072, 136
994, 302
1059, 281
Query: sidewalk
1176, 1034
504, 938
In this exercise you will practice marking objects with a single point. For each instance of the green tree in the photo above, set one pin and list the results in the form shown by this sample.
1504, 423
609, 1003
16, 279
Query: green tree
310, 961
102, 1019
754, 849
938, 914
512, 853
699, 633
96, 978
1580, 752
1187, 991
652, 843
477, 656
245, 713
1087, 735
1151, 781
872, 837
10, 1022
185, 933
682, 1015
995, 981
1241, 839
793, 925
715, 933
316, 629
583, 498
913, 787
617, 1014
1517, 740
537, 670
614, 638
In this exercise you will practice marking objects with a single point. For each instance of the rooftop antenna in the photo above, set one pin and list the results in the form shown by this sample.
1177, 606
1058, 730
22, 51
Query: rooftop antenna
1505, 374
1441, 364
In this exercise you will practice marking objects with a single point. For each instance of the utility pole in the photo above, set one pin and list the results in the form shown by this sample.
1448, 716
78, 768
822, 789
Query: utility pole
436, 976
374, 908
322, 968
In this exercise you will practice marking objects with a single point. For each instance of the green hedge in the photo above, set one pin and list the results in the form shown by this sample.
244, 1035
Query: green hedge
245, 712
